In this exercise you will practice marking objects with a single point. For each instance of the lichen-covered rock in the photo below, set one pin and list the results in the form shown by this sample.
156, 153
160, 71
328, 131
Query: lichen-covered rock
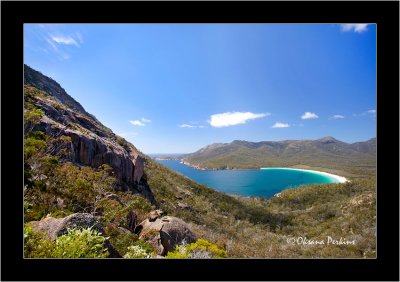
150, 232
55, 227
149, 226
165, 233
153, 215
174, 232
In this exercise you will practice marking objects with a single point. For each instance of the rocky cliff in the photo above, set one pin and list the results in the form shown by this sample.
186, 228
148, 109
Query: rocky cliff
85, 140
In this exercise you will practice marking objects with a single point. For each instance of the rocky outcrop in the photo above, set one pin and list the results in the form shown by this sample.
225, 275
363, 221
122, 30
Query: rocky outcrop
175, 232
91, 143
55, 227
50, 86
89, 149
138, 162
153, 215
151, 233
165, 233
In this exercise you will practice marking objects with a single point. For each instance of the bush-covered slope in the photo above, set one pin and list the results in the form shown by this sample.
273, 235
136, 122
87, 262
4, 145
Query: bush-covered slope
327, 152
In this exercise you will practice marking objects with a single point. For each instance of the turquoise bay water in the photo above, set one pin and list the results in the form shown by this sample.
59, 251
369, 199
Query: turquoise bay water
260, 183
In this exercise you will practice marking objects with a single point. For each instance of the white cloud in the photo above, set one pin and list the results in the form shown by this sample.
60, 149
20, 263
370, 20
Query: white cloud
137, 123
56, 50
186, 126
354, 27
140, 122
145, 120
57, 39
337, 117
65, 40
309, 115
233, 118
80, 37
280, 125
371, 113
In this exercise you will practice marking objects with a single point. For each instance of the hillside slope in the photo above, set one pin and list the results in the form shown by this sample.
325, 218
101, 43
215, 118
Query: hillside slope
326, 152
74, 164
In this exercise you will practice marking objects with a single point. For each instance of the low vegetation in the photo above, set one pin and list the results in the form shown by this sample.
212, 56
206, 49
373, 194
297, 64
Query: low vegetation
78, 243
200, 249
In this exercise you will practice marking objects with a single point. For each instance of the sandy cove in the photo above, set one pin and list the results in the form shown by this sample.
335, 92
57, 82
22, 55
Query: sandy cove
340, 179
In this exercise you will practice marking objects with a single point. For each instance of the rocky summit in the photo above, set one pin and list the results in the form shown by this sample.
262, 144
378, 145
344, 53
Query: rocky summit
92, 144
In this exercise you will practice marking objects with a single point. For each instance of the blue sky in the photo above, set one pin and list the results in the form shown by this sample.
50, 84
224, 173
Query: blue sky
174, 88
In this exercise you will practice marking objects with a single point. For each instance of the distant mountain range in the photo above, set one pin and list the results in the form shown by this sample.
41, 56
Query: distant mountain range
325, 152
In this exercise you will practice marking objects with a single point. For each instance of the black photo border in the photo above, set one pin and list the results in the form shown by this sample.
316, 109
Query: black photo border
15, 14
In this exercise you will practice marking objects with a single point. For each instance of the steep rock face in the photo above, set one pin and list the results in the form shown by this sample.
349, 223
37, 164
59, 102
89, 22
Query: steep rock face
138, 162
89, 149
91, 143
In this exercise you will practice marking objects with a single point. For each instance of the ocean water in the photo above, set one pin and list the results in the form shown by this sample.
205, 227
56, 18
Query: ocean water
260, 183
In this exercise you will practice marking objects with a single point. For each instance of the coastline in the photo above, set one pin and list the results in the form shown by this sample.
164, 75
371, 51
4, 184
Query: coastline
338, 178
213, 169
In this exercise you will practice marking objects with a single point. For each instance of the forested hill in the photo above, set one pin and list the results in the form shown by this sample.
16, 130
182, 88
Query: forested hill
326, 152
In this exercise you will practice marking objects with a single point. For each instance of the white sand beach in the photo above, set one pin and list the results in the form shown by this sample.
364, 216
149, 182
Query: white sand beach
338, 178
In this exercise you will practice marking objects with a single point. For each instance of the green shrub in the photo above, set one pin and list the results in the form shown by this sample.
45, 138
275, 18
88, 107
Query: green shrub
136, 251
122, 240
122, 142
119, 239
32, 146
37, 134
36, 245
81, 243
30, 92
77, 243
200, 249
34, 116
80, 187
113, 212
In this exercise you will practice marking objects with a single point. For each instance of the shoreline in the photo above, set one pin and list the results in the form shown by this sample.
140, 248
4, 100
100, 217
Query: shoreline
340, 179
213, 169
